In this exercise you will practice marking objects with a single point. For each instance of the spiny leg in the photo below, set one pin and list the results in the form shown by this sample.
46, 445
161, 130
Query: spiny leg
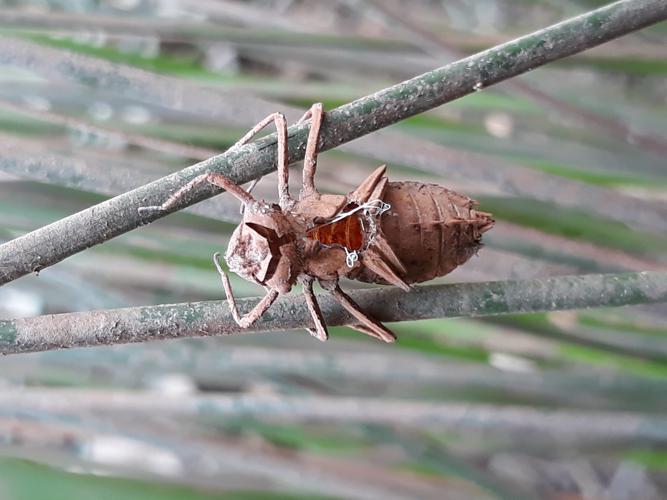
363, 329
320, 331
253, 184
248, 319
306, 116
310, 159
214, 178
226, 183
249, 191
371, 326
283, 174
376, 261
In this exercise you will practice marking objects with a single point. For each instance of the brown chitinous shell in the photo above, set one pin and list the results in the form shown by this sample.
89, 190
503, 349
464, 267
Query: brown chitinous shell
347, 232
431, 229
396, 233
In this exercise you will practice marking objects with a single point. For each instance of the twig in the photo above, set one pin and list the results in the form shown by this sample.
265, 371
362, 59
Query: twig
147, 142
474, 170
181, 30
55, 242
176, 454
228, 459
56, 65
581, 254
436, 45
275, 30
32, 159
127, 366
139, 324
560, 424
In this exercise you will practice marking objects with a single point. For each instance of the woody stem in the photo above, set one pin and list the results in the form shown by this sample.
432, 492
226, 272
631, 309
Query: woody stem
139, 324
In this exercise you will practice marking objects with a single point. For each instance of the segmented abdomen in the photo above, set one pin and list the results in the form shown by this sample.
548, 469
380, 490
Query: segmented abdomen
347, 232
431, 229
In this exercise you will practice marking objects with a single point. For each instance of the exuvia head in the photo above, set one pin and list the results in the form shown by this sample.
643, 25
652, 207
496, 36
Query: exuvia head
263, 249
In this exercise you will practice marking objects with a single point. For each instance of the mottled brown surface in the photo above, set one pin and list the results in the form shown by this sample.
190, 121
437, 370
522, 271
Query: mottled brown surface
393, 233
431, 229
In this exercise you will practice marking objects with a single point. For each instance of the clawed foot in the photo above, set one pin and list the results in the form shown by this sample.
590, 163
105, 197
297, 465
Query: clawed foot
317, 335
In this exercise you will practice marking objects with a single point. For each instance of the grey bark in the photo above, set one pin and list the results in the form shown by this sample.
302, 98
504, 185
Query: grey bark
169, 321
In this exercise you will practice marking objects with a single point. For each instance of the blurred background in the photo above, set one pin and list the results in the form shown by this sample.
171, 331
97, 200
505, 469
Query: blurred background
98, 97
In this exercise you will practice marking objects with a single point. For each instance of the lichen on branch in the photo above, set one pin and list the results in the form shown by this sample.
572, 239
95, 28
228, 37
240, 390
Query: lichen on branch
196, 319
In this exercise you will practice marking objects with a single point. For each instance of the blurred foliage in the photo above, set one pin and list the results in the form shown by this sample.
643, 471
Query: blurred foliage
19, 483
292, 53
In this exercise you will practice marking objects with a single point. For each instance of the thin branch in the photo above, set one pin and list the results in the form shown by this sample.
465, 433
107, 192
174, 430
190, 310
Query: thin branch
403, 370
473, 170
275, 30
232, 107
228, 459
31, 159
592, 258
435, 45
53, 243
182, 30
169, 321
147, 142
564, 425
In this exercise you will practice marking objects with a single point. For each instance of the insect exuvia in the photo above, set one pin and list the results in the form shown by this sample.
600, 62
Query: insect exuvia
396, 233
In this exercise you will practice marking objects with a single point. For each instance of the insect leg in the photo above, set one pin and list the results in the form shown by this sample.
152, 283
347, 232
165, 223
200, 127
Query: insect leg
253, 184
248, 319
306, 116
214, 178
310, 159
370, 325
320, 331
374, 260
283, 174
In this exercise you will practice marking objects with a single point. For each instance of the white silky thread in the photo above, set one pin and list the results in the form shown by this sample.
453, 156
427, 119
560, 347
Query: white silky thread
351, 257
370, 208
374, 207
